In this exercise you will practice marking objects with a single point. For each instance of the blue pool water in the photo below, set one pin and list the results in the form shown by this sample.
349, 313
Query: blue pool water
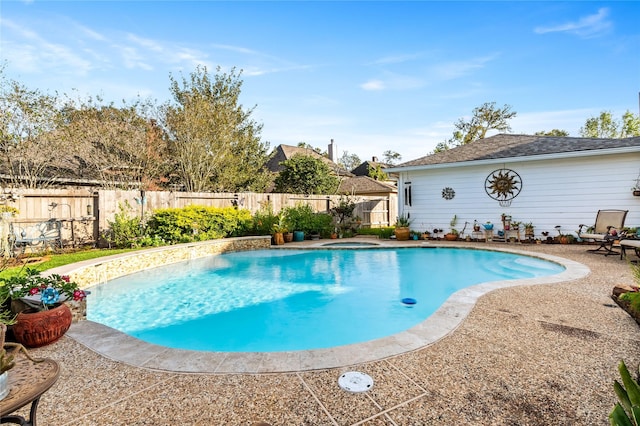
282, 300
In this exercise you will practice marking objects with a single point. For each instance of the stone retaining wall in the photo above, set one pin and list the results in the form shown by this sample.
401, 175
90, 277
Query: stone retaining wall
103, 269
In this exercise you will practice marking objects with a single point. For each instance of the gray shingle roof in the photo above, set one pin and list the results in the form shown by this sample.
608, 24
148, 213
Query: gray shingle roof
285, 152
508, 146
364, 185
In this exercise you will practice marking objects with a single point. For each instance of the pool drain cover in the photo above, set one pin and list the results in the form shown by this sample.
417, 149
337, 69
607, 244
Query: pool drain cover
355, 381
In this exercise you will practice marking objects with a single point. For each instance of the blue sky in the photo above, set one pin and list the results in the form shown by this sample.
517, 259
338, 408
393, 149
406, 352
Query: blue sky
373, 76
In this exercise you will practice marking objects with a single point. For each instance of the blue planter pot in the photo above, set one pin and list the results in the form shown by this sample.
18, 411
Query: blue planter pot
488, 226
298, 236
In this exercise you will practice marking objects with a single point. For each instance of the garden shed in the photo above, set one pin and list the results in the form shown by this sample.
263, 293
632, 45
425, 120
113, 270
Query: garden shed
548, 181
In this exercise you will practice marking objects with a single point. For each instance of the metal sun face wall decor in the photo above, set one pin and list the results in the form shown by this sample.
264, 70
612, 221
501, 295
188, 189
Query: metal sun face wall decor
448, 193
503, 185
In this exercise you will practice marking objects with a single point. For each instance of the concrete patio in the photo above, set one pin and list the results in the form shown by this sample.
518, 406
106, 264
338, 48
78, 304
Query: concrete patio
529, 355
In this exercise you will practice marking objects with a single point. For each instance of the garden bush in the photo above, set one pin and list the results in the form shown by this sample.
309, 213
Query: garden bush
265, 221
125, 231
198, 223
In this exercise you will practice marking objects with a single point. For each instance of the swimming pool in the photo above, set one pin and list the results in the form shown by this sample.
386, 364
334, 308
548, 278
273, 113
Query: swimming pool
284, 300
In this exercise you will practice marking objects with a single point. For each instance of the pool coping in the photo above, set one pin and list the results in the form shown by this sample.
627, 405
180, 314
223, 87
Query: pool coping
119, 346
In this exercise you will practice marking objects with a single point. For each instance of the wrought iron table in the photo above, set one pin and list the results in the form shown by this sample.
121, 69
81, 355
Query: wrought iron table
28, 381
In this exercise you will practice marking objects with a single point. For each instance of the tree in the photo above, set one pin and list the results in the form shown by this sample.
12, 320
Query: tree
214, 142
390, 157
485, 117
28, 143
123, 146
377, 173
312, 148
303, 174
554, 132
605, 126
349, 161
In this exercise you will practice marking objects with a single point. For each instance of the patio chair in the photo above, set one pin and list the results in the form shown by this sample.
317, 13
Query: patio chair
605, 231
629, 244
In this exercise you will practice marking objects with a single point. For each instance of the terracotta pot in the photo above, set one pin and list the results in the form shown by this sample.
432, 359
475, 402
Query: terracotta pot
450, 237
39, 328
278, 238
288, 237
402, 234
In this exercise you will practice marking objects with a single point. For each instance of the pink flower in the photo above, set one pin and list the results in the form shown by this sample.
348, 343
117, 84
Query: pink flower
79, 295
65, 278
33, 291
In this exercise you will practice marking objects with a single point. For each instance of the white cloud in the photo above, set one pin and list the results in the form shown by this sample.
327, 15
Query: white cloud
588, 26
456, 69
373, 85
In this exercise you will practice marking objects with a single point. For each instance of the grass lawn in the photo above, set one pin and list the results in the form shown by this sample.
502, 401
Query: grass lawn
54, 260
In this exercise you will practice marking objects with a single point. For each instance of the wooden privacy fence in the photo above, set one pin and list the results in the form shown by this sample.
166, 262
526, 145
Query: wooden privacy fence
84, 213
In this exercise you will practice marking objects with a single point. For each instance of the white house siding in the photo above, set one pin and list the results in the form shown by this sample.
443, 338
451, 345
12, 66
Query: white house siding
562, 191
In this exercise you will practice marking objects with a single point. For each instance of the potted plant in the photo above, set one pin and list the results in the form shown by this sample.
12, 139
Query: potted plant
453, 233
299, 219
528, 230
402, 230
42, 317
6, 359
635, 189
515, 226
279, 229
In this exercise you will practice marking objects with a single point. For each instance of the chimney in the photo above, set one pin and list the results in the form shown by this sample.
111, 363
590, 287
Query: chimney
332, 151
374, 159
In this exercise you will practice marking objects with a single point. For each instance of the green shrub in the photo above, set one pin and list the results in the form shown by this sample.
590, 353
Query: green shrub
633, 298
299, 218
198, 223
323, 224
124, 231
265, 221
383, 233
627, 411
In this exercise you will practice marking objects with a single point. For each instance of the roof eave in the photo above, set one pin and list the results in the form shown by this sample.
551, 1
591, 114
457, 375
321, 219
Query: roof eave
541, 157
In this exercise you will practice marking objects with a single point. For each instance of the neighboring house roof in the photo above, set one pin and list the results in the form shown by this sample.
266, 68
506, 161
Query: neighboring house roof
363, 169
363, 185
504, 146
285, 152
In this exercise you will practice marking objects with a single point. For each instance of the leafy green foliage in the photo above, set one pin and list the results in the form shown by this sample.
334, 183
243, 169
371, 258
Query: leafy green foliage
485, 117
198, 223
633, 298
627, 411
349, 161
377, 173
265, 222
215, 143
383, 233
125, 230
605, 126
303, 174
391, 157
553, 132
322, 223
299, 217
